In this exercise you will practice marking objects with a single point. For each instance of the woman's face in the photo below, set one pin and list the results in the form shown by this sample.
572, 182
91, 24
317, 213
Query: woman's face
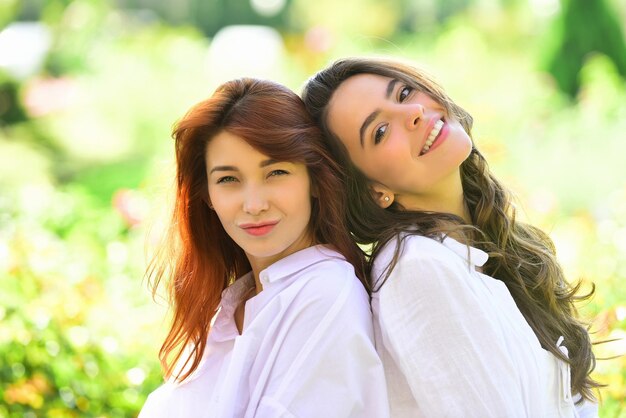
263, 204
400, 138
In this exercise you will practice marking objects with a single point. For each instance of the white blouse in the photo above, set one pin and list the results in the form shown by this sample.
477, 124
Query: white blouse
454, 344
306, 349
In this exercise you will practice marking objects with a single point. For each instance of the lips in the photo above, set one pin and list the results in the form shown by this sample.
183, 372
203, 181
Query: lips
435, 136
258, 229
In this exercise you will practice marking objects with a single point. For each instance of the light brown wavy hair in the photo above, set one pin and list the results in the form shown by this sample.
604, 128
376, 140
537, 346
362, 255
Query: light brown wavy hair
198, 259
520, 255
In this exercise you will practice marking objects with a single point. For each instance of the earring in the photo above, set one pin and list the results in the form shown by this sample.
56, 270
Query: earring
386, 198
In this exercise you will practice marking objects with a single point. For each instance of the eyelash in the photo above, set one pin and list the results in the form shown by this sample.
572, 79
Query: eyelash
278, 172
226, 179
232, 179
379, 133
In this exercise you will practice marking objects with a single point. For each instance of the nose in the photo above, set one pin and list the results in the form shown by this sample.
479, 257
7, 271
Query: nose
415, 112
255, 201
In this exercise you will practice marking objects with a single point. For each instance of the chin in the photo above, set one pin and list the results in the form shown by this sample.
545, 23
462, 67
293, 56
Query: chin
264, 252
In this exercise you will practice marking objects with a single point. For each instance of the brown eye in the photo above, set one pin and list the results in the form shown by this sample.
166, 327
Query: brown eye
404, 93
379, 134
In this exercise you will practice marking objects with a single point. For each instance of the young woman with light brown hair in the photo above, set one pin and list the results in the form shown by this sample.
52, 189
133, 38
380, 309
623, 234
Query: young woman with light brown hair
473, 315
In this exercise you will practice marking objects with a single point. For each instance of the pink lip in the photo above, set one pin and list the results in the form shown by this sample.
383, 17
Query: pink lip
443, 133
440, 138
259, 229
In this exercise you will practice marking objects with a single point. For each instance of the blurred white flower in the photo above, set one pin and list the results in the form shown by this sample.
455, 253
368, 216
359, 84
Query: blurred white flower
23, 48
268, 7
245, 51
136, 376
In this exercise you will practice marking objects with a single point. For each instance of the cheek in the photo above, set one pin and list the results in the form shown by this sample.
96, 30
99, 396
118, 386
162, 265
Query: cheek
462, 146
223, 205
303, 198
390, 161
299, 201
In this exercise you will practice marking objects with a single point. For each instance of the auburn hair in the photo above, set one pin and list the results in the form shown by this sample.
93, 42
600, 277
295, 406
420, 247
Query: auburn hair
198, 258
520, 255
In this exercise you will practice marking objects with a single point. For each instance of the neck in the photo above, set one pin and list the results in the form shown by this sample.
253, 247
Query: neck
448, 198
259, 264
257, 268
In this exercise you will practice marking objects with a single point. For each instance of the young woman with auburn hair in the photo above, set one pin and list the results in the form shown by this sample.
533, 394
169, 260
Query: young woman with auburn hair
269, 317
473, 316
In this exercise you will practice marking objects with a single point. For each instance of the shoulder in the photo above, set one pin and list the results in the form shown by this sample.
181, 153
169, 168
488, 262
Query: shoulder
415, 250
412, 247
331, 271
158, 402
178, 399
330, 281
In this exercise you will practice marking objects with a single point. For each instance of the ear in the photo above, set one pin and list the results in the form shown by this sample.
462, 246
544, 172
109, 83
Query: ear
207, 200
382, 195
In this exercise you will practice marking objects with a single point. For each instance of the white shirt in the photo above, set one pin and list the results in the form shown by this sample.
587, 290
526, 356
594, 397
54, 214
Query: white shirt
306, 349
454, 344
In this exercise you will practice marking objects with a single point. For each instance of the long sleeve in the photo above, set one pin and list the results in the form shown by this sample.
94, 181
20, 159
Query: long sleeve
440, 335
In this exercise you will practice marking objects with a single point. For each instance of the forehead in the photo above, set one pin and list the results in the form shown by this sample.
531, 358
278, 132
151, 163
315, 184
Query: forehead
228, 149
352, 102
226, 145
358, 88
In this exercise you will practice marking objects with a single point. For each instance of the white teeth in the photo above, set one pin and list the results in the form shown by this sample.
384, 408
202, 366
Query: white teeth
433, 134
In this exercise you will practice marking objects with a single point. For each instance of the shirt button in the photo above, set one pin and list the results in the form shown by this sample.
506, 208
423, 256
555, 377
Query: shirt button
264, 277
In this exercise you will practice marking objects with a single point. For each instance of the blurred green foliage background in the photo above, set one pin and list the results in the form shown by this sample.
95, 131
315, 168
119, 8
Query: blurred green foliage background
89, 90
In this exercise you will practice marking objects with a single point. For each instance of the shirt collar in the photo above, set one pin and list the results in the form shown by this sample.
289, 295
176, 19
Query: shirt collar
231, 296
473, 256
223, 324
296, 262
285, 267
223, 327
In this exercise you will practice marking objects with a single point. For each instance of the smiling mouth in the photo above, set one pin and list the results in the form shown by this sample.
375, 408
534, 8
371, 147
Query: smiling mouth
432, 137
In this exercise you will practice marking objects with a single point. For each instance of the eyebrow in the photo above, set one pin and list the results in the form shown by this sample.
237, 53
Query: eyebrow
368, 120
263, 163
